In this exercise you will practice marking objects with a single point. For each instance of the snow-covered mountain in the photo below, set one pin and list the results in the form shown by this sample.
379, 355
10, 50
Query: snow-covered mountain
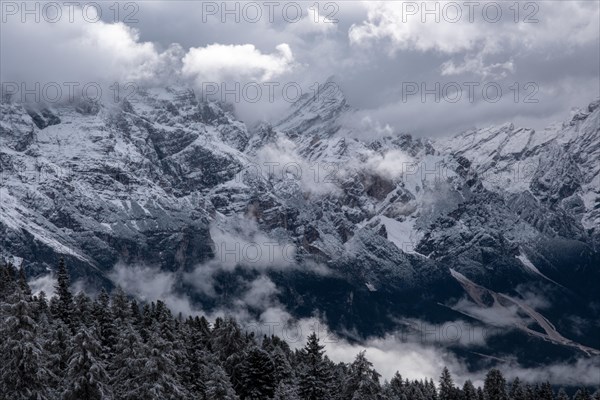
400, 225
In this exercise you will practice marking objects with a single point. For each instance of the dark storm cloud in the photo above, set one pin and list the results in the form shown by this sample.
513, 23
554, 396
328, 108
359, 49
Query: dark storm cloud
374, 49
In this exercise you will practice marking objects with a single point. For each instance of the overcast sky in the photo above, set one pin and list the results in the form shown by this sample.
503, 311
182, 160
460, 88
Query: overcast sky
382, 54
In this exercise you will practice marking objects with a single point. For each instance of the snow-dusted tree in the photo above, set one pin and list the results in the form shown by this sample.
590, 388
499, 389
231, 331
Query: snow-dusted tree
23, 285
287, 390
86, 376
468, 391
196, 357
283, 369
258, 381
582, 394
227, 338
396, 384
480, 394
218, 386
128, 365
562, 395
83, 311
64, 301
545, 392
495, 386
23, 372
447, 389
161, 379
517, 392
105, 323
120, 307
315, 375
363, 380
7, 280
56, 343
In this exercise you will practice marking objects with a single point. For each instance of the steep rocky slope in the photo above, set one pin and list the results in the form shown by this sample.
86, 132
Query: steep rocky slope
371, 228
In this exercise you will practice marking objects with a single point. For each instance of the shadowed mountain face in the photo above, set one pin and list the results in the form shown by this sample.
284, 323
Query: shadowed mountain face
365, 232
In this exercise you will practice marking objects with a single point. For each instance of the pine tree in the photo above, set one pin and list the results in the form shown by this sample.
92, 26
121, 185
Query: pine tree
447, 388
104, 320
218, 386
562, 395
545, 392
195, 358
258, 379
480, 394
363, 380
64, 305
516, 390
161, 377
283, 369
396, 385
495, 386
23, 285
56, 344
83, 311
86, 376
128, 365
529, 392
286, 391
596, 395
227, 338
582, 394
469, 392
314, 376
120, 307
23, 374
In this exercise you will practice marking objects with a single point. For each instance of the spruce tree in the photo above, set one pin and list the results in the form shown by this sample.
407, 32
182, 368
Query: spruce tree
105, 323
258, 379
64, 304
128, 366
495, 386
517, 392
582, 394
315, 377
287, 390
282, 367
86, 376
218, 386
23, 372
23, 285
545, 392
57, 345
363, 380
480, 394
447, 388
469, 392
396, 385
562, 395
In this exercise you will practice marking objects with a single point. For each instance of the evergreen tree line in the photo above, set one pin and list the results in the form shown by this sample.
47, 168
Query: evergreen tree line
71, 347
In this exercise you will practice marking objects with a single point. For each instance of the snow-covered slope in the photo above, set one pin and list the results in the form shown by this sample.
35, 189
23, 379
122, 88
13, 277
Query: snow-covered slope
166, 179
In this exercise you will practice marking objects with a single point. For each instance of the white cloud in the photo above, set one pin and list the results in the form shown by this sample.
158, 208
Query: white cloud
45, 283
476, 65
281, 159
218, 62
390, 164
77, 52
150, 284
260, 294
313, 22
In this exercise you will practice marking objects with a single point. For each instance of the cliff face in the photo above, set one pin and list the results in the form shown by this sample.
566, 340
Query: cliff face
163, 180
